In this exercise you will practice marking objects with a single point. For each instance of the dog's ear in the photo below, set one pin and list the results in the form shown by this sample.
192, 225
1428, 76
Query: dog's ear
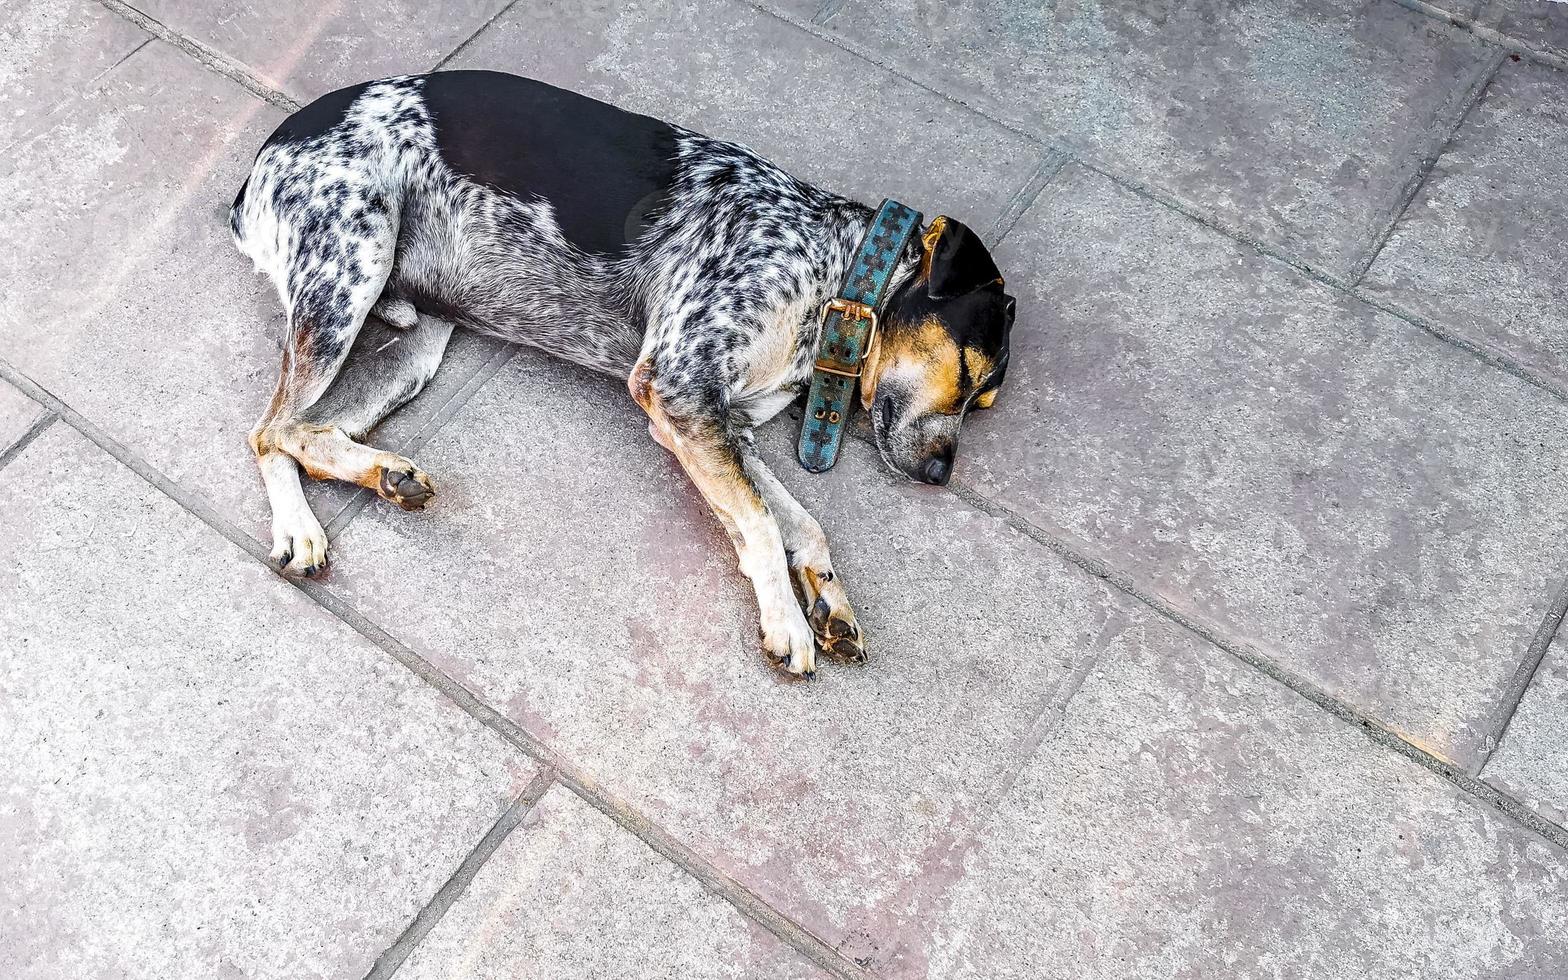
955, 261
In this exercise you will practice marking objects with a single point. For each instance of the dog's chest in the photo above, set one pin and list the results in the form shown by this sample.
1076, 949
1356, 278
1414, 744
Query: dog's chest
776, 362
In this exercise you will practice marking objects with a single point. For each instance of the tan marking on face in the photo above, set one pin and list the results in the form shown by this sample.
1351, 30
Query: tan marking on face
987, 399
928, 352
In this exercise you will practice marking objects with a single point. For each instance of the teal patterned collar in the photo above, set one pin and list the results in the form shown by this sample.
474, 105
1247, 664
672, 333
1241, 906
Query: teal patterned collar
849, 321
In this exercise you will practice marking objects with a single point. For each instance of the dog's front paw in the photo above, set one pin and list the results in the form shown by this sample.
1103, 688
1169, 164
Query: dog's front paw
405, 484
788, 640
831, 617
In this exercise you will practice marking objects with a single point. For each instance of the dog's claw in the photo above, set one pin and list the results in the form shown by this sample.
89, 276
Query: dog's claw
848, 650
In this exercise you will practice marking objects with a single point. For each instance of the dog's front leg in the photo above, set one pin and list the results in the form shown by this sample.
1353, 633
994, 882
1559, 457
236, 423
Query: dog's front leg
710, 454
831, 617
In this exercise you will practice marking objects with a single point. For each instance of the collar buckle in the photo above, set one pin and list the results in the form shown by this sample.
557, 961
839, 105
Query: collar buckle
854, 311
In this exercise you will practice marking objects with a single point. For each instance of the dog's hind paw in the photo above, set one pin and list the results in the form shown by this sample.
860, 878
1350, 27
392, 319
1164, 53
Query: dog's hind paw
405, 484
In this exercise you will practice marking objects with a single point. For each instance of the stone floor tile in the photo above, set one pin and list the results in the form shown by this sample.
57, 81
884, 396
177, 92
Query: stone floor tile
1189, 818
203, 774
1476, 254
733, 72
571, 576
50, 50
1542, 25
1378, 509
18, 415
1297, 121
1532, 762
308, 49
570, 894
146, 319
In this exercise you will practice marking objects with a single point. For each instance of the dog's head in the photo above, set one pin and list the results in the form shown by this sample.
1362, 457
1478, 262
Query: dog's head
941, 351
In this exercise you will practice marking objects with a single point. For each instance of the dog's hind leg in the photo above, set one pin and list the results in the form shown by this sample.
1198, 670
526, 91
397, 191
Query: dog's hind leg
330, 283
386, 369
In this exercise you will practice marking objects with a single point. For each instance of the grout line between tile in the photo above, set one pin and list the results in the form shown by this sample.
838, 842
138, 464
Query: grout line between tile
1474, 26
1492, 358
505, 9
208, 56
865, 54
1519, 684
26, 438
1051, 164
447, 895
793, 934
1407, 193
437, 421
1495, 359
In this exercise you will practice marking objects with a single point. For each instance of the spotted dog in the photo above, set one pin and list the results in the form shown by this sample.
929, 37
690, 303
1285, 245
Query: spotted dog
688, 266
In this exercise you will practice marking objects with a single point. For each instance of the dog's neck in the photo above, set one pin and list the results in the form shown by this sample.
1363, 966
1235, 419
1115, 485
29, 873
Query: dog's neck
845, 228
842, 228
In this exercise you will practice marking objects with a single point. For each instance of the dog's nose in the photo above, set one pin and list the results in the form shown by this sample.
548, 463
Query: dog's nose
938, 470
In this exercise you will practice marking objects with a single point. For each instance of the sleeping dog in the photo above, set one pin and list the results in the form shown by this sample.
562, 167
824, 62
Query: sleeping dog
712, 281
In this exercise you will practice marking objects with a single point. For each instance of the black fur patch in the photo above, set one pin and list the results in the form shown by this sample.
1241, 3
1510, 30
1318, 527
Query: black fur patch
603, 170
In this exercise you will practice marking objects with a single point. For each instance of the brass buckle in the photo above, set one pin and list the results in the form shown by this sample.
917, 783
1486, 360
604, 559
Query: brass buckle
859, 311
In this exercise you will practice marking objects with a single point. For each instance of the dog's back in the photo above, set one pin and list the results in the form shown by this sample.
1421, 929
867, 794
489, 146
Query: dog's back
506, 204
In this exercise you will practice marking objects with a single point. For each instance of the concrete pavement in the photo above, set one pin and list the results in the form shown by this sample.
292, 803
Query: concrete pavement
1232, 650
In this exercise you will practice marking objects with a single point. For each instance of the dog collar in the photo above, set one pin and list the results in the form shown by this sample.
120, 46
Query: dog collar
849, 322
